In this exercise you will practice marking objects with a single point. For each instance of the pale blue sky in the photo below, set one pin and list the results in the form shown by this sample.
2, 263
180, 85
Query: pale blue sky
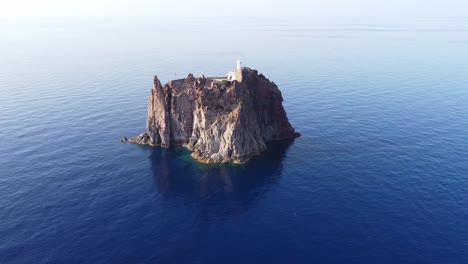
315, 8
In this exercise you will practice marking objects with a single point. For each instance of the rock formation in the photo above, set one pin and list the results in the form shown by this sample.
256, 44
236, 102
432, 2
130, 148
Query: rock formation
217, 119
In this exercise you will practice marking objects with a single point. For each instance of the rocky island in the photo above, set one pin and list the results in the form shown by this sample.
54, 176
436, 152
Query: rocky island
225, 119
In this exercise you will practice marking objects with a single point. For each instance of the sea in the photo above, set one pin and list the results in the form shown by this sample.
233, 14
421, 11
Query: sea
379, 175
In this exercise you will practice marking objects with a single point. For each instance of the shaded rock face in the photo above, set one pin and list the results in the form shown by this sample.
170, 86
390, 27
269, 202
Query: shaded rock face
218, 120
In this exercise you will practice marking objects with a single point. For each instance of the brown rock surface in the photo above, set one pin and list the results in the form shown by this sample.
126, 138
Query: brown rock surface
218, 120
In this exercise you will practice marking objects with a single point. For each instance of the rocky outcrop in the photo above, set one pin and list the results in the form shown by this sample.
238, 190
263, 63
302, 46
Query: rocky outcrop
218, 120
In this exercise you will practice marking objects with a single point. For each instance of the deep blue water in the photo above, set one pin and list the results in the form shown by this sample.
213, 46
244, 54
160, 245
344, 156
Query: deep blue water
380, 174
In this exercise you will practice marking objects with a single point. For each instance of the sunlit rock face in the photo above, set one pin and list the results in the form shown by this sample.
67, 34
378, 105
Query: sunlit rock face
218, 120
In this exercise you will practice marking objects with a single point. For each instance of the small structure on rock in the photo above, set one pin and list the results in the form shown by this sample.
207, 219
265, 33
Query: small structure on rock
219, 119
235, 74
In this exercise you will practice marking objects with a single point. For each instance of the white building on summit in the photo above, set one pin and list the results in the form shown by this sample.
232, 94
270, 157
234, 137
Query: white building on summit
232, 75
239, 65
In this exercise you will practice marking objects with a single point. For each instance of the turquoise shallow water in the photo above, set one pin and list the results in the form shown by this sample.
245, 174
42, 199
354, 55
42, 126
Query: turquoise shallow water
378, 176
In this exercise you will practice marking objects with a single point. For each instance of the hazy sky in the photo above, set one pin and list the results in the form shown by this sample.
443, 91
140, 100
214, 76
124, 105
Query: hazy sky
319, 8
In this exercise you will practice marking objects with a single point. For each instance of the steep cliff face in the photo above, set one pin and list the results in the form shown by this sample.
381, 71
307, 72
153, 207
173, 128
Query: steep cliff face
218, 120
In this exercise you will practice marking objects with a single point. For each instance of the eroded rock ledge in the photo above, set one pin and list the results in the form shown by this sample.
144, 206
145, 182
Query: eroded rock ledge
219, 119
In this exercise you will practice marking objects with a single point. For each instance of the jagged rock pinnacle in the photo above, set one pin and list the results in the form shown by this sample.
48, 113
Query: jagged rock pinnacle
218, 120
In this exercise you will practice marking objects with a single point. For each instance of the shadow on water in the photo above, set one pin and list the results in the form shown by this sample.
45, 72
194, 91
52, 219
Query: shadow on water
231, 187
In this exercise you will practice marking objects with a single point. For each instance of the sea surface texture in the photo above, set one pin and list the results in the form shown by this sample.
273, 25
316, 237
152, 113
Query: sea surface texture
380, 174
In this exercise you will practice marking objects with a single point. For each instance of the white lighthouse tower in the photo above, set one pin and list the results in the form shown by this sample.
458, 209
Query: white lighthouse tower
239, 65
234, 75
